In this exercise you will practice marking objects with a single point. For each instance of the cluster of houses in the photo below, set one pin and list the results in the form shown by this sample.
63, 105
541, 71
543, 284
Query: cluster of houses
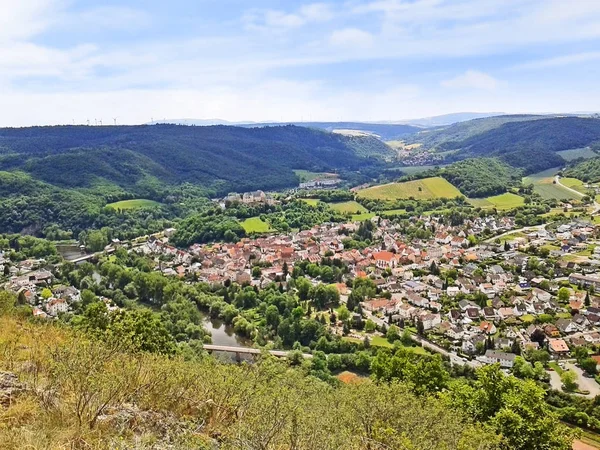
320, 183
249, 198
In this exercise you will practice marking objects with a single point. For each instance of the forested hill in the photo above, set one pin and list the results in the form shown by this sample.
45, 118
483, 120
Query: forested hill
528, 142
220, 157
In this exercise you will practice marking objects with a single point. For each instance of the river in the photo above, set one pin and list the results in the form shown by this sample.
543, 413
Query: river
223, 334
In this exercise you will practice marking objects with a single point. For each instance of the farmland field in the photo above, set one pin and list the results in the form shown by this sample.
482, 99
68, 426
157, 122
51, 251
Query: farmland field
255, 225
574, 183
133, 204
393, 212
412, 170
350, 207
362, 217
543, 184
570, 155
507, 200
310, 201
427, 188
306, 175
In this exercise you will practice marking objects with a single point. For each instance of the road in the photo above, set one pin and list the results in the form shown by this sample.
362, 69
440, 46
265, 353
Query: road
519, 230
585, 384
454, 359
579, 194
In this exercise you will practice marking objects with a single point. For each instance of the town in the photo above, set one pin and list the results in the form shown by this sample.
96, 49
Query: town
473, 298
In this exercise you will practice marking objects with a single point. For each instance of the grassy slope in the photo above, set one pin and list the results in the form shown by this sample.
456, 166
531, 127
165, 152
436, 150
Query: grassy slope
507, 200
349, 207
543, 185
574, 153
92, 395
133, 204
255, 225
427, 188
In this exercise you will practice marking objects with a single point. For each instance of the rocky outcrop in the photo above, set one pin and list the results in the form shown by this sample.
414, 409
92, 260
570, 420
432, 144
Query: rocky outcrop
10, 388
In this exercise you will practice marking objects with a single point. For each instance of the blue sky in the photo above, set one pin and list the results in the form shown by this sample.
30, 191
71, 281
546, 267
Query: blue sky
67, 60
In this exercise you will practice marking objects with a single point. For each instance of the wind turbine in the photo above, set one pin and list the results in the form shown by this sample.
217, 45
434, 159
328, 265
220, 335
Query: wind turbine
115, 120
100, 122
88, 122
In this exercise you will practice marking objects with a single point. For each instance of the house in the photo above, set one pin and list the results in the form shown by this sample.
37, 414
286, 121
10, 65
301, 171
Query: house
566, 326
487, 328
430, 321
385, 259
551, 331
470, 345
506, 360
56, 306
585, 280
558, 346
597, 359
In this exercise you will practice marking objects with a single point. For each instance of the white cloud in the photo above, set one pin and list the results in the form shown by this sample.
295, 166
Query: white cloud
352, 38
277, 20
564, 60
472, 79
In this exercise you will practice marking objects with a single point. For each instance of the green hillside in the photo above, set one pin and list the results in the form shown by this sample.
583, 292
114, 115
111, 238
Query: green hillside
528, 142
223, 158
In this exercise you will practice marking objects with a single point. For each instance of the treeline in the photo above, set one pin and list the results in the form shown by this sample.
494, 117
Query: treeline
109, 396
224, 158
587, 170
482, 177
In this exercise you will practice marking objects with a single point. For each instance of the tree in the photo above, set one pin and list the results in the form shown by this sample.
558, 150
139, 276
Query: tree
406, 338
563, 295
256, 272
587, 302
393, 334
569, 381
370, 326
46, 293
272, 316
420, 328
343, 313
97, 240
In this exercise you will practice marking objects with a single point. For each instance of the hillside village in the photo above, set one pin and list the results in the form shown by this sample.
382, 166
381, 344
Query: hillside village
479, 301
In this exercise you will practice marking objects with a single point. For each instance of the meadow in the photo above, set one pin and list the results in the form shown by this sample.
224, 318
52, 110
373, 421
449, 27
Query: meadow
508, 200
349, 207
427, 188
133, 204
543, 184
306, 175
575, 153
255, 225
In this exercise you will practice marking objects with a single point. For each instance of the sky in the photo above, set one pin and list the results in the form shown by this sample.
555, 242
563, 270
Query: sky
131, 61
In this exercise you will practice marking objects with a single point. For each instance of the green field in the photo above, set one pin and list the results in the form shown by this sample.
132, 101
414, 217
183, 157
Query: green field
507, 200
574, 183
311, 201
350, 207
543, 184
255, 225
362, 217
393, 212
570, 155
413, 170
133, 204
427, 188
307, 175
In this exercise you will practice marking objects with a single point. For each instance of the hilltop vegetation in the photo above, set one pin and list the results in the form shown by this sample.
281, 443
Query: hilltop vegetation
588, 170
427, 188
482, 177
66, 176
528, 142
223, 158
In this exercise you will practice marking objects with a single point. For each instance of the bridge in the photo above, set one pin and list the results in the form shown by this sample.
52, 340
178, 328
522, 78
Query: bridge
248, 351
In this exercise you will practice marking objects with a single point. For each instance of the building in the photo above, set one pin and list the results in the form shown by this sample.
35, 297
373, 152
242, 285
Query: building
585, 280
506, 360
